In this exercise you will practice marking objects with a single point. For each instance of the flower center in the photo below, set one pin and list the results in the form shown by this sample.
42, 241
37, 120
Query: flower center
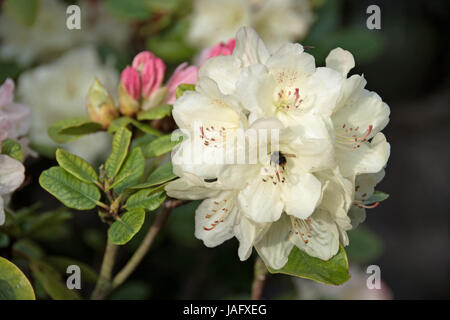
349, 138
219, 212
275, 172
302, 228
215, 136
289, 99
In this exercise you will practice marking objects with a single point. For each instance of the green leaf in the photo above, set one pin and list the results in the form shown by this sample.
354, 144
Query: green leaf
149, 199
161, 175
13, 283
68, 130
28, 248
146, 128
126, 121
142, 141
24, 11
377, 196
72, 192
159, 112
12, 148
38, 224
76, 166
300, 264
118, 123
184, 87
130, 10
132, 170
52, 281
124, 229
160, 146
61, 264
120, 145
365, 246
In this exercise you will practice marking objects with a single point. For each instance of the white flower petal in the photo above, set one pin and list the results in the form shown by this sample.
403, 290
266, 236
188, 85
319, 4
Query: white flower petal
290, 63
2, 212
260, 201
248, 233
301, 194
368, 158
340, 60
324, 240
275, 246
191, 187
250, 49
224, 70
12, 174
215, 219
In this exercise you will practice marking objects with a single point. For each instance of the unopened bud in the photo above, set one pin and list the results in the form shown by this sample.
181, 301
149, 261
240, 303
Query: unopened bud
100, 105
129, 91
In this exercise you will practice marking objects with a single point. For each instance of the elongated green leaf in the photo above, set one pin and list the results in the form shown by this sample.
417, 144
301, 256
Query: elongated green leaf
160, 146
71, 129
149, 199
118, 123
12, 148
13, 283
161, 175
76, 166
146, 128
120, 145
124, 229
142, 141
377, 196
184, 87
300, 264
52, 281
131, 171
72, 192
126, 121
158, 112
60, 264
24, 11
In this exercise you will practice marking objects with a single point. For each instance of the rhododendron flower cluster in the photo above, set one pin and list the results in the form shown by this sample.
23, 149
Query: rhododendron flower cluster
300, 191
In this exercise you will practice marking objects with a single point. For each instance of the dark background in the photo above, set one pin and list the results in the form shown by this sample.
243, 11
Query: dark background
410, 71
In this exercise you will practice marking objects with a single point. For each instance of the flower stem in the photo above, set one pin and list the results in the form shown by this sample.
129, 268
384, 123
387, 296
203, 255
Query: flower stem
146, 243
103, 284
260, 272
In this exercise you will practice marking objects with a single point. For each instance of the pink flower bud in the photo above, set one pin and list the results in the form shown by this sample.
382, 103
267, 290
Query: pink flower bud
152, 76
182, 74
131, 81
220, 49
141, 59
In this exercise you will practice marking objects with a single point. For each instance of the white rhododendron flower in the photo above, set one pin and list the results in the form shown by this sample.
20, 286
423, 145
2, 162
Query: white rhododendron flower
48, 35
276, 21
359, 116
302, 186
58, 91
15, 118
12, 174
364, 189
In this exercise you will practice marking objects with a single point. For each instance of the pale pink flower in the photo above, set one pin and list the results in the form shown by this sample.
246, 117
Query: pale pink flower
220, 49
15, 119
183, 74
